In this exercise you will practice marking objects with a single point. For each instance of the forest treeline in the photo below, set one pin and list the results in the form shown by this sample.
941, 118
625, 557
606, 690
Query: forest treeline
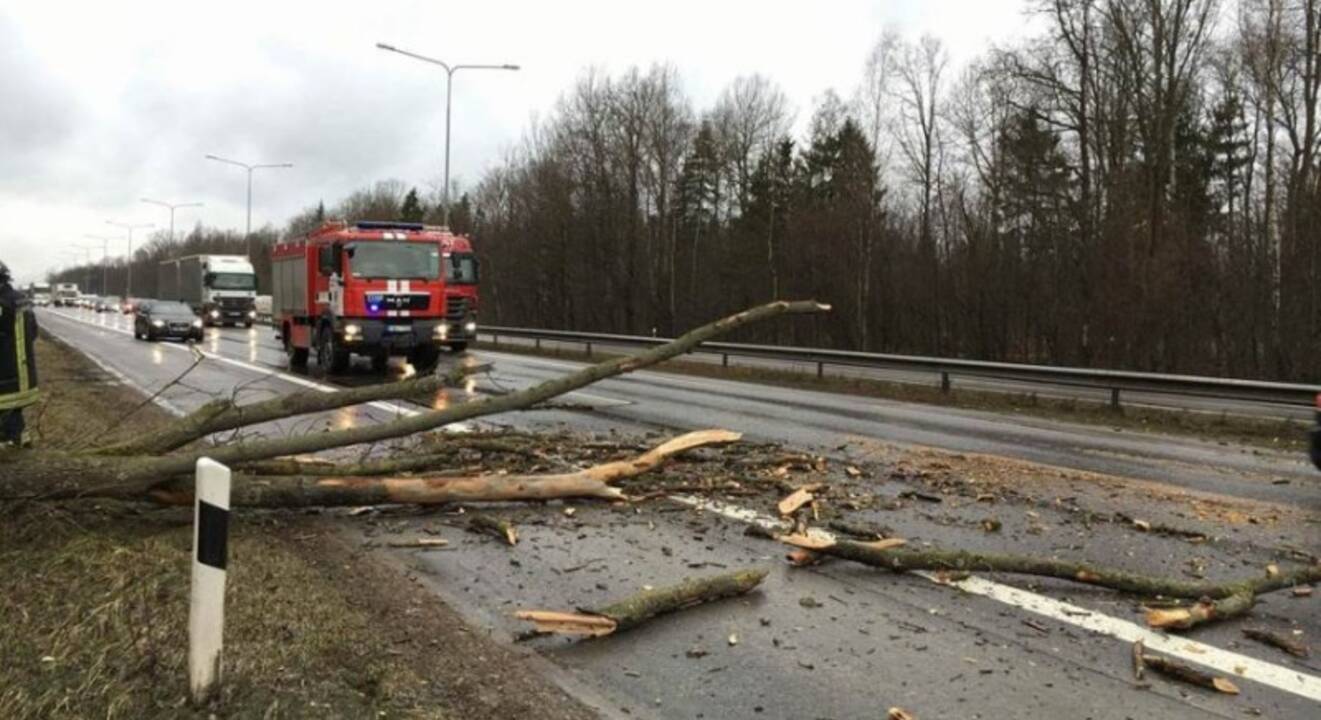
1136, 187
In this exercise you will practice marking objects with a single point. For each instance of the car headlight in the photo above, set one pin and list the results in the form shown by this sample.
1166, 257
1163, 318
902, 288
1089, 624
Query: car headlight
197, 323
443, 330
158, 323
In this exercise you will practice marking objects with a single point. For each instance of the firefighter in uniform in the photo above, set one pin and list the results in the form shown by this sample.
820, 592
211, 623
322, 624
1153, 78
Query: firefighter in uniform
18, 366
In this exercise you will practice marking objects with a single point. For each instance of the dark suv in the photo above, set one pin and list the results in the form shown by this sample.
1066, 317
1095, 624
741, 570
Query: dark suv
163, 319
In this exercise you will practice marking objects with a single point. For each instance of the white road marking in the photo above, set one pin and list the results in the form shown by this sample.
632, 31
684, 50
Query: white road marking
394, 408
124, 380
1226, 662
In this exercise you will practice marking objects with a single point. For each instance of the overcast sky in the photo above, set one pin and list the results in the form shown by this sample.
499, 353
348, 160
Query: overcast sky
104, 103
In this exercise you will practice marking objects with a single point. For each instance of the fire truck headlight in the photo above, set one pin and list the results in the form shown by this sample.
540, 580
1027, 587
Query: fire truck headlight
442, 330
252, 314
215, 314
470, 326
352, 331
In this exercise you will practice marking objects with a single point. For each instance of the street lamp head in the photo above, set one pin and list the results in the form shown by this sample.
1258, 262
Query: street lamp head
510, 67
384, 46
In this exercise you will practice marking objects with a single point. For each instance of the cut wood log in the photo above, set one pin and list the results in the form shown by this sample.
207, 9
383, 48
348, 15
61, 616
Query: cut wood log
639, 608
798, 557
1224, 599
1203, 611
498, 527
299, 491
1278, 640
592, 482
1186, 673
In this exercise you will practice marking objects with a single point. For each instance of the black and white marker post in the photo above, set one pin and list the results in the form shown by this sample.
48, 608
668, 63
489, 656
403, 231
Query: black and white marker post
206, 609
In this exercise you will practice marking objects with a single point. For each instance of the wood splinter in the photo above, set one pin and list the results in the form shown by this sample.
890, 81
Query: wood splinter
637, 609
423, 543
798, 498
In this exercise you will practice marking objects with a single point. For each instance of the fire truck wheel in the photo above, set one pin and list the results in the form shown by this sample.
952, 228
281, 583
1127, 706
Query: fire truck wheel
380, 362
424, 359
297, 355
459, 347
330, 357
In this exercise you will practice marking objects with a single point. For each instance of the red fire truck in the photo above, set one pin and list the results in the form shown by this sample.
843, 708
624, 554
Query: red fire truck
374, 289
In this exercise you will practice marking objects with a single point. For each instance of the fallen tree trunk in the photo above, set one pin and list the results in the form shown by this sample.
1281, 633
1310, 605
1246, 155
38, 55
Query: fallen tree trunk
301, 491
223, 415
637, 609
298, 491
26, 474
1223, 600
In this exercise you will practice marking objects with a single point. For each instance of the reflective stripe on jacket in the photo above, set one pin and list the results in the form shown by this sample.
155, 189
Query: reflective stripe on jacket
18, 367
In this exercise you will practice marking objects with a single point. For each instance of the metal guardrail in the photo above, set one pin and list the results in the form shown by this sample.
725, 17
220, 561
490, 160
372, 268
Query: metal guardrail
1115, 381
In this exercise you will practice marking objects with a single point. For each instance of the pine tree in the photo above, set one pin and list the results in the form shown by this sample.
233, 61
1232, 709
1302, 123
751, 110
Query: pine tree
411, 210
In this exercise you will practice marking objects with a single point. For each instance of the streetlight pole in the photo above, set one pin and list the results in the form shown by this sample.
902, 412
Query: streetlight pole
105, 260
247, 233
449, 86
171, 207
128, 281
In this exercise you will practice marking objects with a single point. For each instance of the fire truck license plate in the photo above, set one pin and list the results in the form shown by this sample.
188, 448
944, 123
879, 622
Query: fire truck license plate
401, 328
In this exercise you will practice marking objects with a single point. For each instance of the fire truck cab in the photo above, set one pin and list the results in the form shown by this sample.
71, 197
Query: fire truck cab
374, 289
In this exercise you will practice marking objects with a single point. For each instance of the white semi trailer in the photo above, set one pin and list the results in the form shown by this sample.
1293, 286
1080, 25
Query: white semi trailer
220, 288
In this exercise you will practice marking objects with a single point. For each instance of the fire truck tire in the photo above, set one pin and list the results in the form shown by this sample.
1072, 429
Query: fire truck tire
459, 347
380, 362
424, 359
297, 355
330, 357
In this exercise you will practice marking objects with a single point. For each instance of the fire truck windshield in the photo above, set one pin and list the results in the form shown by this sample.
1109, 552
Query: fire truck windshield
394, 260
231, 281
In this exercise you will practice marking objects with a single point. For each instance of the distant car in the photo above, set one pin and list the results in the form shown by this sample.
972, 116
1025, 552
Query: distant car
1316, 436
130, 305
163, 319
107, 304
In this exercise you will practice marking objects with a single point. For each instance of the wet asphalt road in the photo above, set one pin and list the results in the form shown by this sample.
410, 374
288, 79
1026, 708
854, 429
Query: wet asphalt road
875, 640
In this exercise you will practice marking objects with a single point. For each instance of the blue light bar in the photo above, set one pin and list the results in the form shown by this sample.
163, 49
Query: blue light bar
388, 225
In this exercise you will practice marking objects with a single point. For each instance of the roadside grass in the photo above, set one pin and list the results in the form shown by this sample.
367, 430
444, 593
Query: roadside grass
96, 614
94, 597
1281, 434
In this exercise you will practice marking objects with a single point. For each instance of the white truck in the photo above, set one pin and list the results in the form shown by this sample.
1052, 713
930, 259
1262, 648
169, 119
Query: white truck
39, 293
66, 295
221, 289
